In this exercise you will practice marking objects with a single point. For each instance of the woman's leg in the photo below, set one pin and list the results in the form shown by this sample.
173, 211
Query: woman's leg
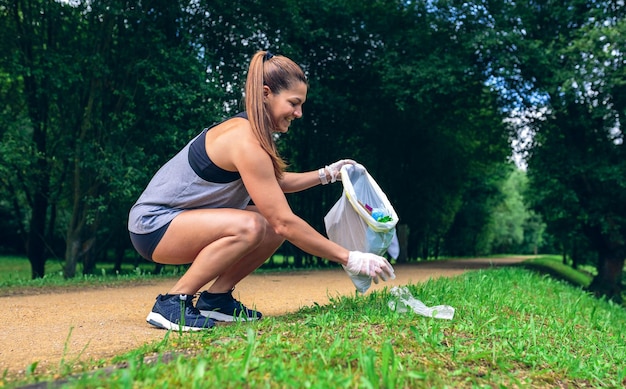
226, 244
250, 262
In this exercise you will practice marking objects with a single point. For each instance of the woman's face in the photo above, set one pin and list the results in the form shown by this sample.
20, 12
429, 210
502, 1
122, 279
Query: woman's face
286, 105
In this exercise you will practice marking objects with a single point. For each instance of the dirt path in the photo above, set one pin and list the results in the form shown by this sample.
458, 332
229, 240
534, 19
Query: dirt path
101, 323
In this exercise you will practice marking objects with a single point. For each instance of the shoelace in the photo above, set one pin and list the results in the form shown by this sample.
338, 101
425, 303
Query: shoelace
189, 307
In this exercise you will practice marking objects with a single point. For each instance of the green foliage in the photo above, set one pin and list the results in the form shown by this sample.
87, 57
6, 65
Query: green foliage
494, 217
567, 60
511, 328
516, 228
511, 213
472, 232
115, 83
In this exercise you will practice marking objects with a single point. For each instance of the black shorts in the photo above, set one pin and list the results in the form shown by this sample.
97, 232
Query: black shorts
145, 244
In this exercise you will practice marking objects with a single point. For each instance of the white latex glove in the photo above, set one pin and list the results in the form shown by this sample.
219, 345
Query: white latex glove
335, 168
369, 265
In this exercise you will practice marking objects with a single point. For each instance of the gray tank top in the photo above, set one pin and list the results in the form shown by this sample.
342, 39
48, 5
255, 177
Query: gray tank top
177, 187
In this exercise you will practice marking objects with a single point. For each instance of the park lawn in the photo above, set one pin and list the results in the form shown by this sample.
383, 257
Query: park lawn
15, 272
513, 327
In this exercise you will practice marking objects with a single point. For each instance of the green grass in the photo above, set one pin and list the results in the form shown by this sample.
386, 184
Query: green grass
16, 269
554, 266
15, 273
513, 327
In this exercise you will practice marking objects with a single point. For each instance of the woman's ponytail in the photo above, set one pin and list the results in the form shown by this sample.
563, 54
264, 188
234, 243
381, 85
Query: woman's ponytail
278, 73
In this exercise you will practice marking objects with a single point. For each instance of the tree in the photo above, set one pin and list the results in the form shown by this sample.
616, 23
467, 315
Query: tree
37, 70
448, 130
590, 168
103, 82
571, 59
139, 83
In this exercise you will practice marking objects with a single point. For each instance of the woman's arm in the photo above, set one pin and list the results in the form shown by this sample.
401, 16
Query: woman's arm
257, 173
295, 182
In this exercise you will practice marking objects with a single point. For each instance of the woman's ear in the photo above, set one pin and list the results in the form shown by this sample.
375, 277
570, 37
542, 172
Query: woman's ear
266, 91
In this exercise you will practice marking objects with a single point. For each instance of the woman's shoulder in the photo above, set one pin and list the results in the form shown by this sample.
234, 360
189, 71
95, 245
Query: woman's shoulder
230, 141
237, 125
234, 133
241, 119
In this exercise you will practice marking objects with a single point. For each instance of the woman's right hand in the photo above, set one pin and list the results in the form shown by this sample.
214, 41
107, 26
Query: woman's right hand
371, 265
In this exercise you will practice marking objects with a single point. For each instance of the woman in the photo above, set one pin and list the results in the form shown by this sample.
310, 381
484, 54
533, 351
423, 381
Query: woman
196, 208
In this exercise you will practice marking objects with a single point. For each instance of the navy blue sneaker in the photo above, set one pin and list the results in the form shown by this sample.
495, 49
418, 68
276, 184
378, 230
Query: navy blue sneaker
176, 312
224, 307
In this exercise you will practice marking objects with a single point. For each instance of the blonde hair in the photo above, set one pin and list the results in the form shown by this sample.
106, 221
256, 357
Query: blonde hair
278, 73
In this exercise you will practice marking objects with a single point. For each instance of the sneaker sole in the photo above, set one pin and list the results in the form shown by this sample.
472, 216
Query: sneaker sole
217, 316
159, 321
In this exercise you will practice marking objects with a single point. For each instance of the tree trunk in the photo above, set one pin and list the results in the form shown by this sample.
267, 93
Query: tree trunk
611, 248
81, 188
403, 241
425, 249
38, 102
88, 254
35, 245
73, 244
608, 282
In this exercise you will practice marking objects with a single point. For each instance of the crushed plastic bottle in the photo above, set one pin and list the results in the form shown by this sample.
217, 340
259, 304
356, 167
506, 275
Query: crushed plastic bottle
378, 213
404, 301
381, 215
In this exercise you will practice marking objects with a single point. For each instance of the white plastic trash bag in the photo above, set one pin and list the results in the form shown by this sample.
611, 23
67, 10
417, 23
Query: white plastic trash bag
404, 301
362, 219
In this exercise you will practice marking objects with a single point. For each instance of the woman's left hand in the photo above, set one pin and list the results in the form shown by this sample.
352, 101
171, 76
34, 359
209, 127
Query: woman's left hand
334, 169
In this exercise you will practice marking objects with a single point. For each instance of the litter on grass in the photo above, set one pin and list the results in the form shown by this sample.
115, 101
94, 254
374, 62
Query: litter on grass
404, 301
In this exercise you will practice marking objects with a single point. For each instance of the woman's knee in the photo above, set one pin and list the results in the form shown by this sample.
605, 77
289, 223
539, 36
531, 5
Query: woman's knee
254, 228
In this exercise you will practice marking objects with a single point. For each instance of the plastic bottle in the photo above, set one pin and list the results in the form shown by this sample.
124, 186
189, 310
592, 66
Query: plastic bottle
378, 213
405, 301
